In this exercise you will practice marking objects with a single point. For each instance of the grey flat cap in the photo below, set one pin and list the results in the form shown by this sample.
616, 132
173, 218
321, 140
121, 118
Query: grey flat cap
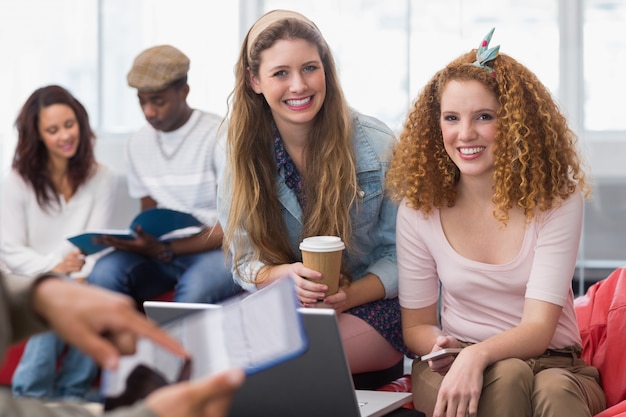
156, 68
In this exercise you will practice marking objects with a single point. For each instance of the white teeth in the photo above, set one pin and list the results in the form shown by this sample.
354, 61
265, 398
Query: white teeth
297, 103
471, 151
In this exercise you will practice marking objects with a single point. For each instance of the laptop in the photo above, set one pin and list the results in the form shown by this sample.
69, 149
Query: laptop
162, 312
315, 384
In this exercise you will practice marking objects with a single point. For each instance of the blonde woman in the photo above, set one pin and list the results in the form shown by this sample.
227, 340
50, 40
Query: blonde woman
302, 163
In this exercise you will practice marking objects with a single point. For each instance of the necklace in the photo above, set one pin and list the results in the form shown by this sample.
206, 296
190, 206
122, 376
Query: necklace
169, 156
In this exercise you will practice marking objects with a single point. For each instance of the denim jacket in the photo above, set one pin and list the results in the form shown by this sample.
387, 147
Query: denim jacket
373, 217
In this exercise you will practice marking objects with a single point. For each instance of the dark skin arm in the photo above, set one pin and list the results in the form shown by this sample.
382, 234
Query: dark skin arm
208, 239
147, 203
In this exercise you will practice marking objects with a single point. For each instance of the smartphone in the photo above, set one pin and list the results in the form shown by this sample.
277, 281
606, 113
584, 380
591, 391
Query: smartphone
438, 354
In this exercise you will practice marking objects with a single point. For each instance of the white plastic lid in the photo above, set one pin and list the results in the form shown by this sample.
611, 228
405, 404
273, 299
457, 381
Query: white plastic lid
322, 244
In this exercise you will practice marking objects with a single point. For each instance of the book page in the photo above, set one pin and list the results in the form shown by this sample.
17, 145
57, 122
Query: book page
203, 336
255, 339
252, 332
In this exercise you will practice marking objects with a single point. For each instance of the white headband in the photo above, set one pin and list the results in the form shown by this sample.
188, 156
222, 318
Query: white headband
268, 19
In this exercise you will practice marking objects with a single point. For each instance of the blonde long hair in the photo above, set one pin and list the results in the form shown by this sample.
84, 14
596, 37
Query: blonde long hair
330, 186
537, 164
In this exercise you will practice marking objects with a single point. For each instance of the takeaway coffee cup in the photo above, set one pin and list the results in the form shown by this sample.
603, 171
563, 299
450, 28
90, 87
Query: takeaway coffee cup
323, 254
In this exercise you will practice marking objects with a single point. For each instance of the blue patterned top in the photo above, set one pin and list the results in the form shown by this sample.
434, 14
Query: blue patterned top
293, 178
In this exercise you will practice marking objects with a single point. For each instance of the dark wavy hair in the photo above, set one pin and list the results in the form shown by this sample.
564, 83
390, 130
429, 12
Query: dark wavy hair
537, 163
31, 155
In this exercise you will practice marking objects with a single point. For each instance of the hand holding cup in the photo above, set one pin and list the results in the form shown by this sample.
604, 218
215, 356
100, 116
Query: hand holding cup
323, 254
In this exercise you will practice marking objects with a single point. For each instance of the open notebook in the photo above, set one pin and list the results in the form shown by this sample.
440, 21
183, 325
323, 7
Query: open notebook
254, 333
164, 224
315, 384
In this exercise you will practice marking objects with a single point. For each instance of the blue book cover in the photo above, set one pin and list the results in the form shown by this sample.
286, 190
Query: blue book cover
158, 222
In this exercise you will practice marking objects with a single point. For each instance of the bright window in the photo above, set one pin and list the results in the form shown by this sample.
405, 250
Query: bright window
604, 34
386, 50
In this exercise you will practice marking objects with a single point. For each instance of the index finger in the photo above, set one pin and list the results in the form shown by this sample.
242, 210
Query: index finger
305, 272
143, 327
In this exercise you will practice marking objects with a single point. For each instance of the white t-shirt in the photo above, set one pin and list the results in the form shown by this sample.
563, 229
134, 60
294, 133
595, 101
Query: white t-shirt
481, 300
180, 170
33, 240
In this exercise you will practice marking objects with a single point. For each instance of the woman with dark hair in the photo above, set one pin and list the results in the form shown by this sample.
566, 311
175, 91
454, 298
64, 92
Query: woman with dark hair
55, 189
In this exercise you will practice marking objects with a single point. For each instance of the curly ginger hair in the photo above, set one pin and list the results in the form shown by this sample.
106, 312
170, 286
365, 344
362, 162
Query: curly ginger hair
537, 164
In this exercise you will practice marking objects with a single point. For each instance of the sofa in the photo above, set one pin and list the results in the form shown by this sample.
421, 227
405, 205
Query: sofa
601, 315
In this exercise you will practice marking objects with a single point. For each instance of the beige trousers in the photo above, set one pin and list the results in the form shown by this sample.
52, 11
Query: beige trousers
547, 386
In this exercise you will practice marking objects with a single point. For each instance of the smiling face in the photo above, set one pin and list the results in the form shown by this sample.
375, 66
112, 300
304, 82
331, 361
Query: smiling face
59, 130
468, 125
292, 80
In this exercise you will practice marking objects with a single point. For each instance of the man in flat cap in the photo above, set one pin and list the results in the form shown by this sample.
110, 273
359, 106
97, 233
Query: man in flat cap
173, 162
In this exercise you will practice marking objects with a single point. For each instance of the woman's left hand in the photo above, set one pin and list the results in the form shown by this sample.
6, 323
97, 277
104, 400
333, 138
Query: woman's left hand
336, 301
443, 365
461, 387
73, 262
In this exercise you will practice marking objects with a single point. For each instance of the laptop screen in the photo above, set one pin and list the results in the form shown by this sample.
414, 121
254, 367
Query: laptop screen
316, 384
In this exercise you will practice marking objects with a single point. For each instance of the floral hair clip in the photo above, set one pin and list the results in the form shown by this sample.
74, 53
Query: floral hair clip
485, 54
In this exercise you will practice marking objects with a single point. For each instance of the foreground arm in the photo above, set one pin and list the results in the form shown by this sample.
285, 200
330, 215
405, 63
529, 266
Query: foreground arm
210, 397
105, 325
83, 315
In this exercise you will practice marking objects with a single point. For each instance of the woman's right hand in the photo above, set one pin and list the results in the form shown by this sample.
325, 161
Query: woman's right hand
73, 262
443, 364
307, 290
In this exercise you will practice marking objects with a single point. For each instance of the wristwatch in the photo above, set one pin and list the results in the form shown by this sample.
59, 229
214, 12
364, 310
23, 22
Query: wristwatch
167, 254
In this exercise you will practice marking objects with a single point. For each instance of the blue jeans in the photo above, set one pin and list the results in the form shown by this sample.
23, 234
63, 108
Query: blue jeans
199, 278
37, 375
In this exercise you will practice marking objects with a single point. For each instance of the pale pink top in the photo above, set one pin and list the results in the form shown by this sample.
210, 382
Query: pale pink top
480, 300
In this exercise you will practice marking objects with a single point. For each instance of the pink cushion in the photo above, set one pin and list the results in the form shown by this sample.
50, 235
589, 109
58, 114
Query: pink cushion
402, 384
601, 315
11, 359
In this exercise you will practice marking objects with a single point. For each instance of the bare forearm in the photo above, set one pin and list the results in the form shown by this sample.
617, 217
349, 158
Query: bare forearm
269, 274
365, 290
209, 239
530, 338
420, 328
420, 339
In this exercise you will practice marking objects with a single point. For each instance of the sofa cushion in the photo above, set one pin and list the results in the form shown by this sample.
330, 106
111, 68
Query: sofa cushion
601, 315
